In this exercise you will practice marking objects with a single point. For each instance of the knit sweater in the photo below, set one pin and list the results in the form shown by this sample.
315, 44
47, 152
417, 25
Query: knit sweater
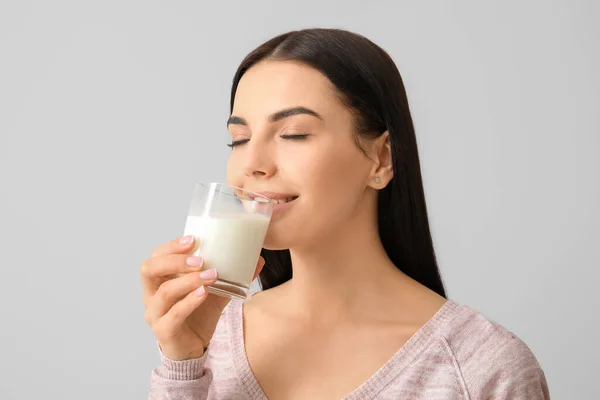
457, 354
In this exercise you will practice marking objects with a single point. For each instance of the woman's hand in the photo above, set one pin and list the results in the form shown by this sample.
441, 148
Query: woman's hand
181, 313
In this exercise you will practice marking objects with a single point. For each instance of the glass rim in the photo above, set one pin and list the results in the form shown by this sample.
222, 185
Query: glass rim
210, 185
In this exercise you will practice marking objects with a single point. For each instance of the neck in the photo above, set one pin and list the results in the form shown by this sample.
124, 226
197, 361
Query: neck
347, 272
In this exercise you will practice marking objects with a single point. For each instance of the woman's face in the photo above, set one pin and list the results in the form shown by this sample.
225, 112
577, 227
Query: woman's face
293, 136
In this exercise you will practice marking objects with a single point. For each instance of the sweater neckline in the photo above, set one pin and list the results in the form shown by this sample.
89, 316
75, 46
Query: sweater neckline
377, 382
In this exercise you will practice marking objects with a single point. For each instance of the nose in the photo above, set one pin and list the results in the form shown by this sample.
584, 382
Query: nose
259, 162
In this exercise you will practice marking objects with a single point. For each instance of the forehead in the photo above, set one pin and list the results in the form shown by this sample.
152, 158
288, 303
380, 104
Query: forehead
273, 85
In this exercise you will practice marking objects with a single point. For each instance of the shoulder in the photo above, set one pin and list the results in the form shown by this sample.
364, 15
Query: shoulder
493, 362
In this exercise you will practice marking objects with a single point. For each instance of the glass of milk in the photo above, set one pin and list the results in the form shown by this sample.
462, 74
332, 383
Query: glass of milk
230, 225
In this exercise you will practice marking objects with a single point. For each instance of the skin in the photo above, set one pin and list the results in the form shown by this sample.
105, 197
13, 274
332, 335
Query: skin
348, 309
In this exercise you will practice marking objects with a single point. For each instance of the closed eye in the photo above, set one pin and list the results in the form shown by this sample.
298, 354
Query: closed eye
295, 136
238, 142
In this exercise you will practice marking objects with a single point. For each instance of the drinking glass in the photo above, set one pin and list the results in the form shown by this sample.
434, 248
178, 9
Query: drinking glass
229, 225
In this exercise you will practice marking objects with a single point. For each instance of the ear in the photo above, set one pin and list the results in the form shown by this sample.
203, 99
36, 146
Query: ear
383, 170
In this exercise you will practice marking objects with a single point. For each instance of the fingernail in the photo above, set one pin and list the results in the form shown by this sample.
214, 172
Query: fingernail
208, 274
186, 240
194, 261
200, 291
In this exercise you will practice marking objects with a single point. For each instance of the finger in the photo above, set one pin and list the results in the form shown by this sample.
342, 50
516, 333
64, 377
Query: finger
171, 291
181, 245
154, 271
259, 266
176, 316
169, 265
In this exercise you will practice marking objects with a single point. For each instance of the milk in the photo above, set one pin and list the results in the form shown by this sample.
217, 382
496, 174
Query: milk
229, 243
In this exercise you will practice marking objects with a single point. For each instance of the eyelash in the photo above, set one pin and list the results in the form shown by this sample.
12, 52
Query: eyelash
238, 142
297, 136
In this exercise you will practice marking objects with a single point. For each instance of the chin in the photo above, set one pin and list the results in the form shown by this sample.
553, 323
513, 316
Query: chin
292, 230
275, 241
283, 234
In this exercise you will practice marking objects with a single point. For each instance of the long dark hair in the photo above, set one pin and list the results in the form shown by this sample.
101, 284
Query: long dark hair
369, 83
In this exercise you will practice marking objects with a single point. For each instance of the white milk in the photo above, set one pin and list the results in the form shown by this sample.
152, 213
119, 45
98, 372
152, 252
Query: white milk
229, 243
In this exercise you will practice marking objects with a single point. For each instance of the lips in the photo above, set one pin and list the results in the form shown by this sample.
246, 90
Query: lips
282, 205
276, 197
276, 201
281, 201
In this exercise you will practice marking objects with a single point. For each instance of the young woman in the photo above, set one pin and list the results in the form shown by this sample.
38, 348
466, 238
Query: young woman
352, 303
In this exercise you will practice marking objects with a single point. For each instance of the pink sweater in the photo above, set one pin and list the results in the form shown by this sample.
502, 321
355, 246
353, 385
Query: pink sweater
458, 354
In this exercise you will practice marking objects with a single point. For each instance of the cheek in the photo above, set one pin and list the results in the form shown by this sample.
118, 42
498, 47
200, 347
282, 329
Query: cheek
234, 171
332, 180
337, 172
332, 190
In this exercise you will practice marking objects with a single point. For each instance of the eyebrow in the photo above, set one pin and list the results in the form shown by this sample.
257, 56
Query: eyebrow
278, 116
233, 120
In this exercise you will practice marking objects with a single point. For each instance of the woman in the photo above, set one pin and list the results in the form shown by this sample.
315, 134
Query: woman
321, 117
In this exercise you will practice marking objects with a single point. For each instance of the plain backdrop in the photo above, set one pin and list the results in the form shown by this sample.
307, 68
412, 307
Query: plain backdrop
111, 110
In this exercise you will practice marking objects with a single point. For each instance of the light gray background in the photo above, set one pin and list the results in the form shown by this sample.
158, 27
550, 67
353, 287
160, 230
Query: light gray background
110, 110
